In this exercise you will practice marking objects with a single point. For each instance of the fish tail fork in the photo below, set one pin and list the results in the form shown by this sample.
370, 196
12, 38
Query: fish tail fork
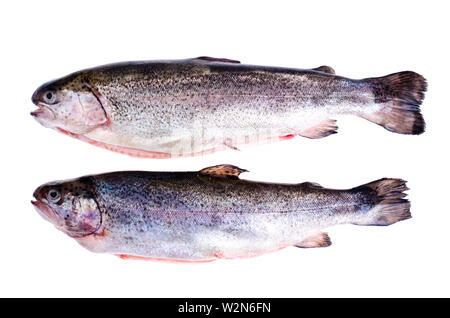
400, 96
388, 203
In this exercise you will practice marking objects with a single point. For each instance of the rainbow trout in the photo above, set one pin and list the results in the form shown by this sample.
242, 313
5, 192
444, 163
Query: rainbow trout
164, 109
209, 214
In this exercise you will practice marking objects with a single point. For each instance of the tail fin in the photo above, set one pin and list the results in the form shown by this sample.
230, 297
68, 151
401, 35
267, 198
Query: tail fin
389, 205
401, 95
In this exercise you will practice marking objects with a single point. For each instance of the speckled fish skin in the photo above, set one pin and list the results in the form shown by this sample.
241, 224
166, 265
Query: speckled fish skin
210, 214
166, 109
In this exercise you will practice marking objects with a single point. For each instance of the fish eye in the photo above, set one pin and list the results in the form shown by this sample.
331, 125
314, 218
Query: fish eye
53, 195
49, 97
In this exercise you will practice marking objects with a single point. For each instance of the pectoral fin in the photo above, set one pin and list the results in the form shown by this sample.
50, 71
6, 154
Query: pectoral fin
229, 143
320, 239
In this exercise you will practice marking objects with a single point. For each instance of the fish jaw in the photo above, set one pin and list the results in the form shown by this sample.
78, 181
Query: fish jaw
47, 213
44, 115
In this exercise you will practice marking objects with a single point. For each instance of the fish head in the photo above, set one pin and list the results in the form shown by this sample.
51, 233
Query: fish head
69, 104
70, 205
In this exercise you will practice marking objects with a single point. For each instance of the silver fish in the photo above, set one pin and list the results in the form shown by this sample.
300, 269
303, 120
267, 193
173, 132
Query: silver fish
164, 109
209, 214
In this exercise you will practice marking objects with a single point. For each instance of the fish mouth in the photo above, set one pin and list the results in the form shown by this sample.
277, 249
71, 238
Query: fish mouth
46, 212
43, 112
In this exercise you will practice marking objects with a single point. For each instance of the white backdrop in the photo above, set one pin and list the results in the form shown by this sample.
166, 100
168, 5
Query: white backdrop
45, 40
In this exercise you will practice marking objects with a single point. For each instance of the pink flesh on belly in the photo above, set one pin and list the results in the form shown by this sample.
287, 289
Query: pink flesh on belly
139, 153
164, 260
217, 256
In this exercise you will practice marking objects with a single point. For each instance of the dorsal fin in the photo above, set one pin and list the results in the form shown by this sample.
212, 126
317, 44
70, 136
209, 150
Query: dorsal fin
324, 69
215, 59
223, 171
312, 185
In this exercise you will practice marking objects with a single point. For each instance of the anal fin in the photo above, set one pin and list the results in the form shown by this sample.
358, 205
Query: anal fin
324, 128
320, 239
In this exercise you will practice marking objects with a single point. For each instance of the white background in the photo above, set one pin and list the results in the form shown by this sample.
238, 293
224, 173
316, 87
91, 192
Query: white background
44, 40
